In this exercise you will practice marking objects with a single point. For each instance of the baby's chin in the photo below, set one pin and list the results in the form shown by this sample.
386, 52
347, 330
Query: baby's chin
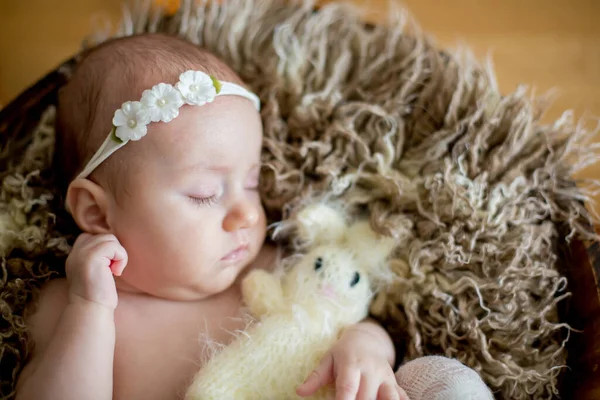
214, 284
193, 285
229, 275
181, 291
187, 293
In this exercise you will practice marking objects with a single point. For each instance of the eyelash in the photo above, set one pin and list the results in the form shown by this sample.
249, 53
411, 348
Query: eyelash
209, 201
204, 201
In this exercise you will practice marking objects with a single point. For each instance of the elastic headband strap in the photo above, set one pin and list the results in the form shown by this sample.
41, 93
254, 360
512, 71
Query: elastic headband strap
162, 103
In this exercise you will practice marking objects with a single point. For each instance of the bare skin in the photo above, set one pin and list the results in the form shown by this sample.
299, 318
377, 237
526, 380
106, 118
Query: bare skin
159, 343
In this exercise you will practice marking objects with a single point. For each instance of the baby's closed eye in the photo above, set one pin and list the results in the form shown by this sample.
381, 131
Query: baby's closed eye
205, 194
204, 201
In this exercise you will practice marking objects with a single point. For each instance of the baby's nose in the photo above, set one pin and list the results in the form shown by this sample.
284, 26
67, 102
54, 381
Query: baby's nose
243, 215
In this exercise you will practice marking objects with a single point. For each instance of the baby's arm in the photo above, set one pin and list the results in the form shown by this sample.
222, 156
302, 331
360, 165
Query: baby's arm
379, 337
360, 365
73, 354
74, 330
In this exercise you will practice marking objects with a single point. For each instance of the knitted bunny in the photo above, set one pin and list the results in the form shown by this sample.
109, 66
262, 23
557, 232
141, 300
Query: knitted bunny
300, 315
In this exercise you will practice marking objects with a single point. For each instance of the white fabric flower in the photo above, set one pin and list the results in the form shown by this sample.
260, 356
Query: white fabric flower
196, 87
162, 102
131, 121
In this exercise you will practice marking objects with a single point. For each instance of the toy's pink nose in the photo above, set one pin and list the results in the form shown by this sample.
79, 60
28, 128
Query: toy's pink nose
328, 291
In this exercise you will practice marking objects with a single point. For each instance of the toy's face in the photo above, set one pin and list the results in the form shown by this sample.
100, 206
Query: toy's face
333, 275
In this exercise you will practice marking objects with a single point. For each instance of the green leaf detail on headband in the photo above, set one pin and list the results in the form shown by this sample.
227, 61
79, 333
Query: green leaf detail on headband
113, 135
216, 83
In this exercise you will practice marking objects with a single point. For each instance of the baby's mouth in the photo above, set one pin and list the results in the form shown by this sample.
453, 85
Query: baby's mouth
237, 254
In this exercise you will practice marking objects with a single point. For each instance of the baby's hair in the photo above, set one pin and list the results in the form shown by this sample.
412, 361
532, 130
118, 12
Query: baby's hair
116, 71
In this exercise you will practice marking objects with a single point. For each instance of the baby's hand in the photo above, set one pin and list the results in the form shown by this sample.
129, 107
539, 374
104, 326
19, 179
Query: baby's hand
90, 268
358, 368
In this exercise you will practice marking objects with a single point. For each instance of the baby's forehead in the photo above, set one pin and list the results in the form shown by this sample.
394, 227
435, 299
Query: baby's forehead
209, 132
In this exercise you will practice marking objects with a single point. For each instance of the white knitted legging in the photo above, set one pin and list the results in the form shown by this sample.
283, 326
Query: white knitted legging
441, 378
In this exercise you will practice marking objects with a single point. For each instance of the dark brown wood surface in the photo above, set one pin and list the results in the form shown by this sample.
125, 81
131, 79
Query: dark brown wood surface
581, 263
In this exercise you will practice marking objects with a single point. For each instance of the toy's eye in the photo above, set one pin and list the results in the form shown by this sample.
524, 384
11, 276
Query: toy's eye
355, 279
318, 264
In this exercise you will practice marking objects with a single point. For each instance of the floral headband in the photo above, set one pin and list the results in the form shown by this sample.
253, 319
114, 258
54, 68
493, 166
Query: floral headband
162, 103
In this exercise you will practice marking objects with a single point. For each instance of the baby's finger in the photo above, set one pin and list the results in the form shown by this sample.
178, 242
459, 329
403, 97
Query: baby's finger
117, 266
389, 391
93, 241
112, 255
118, 262
321, 376
368, 388
347, 383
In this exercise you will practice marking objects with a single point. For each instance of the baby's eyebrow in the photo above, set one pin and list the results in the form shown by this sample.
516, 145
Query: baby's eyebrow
202, 166
218, 168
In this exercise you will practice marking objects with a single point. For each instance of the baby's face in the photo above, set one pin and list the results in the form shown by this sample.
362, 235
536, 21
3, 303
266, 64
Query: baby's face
192, 219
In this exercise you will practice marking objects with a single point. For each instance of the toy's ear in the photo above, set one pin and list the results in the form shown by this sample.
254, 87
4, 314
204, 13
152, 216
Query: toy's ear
320, 223
372, 248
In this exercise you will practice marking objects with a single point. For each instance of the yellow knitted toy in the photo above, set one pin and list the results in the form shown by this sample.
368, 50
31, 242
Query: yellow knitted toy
301, 315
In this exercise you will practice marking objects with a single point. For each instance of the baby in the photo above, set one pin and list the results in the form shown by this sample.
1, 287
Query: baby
159, 146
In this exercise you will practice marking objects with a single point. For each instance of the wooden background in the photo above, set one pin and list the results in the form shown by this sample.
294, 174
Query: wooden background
549, 44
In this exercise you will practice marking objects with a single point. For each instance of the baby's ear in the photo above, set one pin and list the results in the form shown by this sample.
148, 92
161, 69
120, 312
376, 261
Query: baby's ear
87, 203
320, 223
371, 247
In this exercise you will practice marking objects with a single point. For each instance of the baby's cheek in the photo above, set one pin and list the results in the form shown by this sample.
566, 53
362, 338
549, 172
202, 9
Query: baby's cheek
261, 225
